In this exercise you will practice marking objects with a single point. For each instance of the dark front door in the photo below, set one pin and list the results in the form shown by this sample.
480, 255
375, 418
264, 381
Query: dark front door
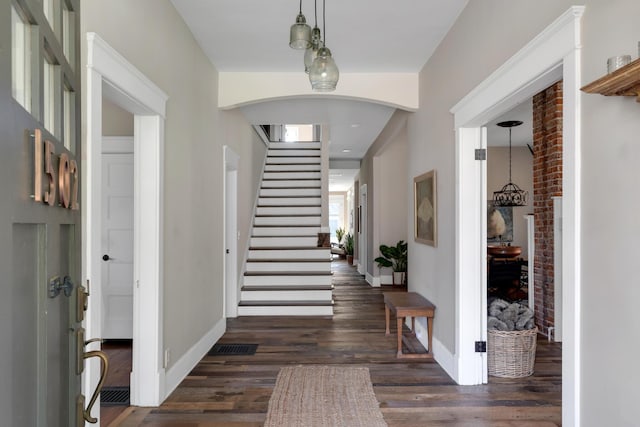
41, 305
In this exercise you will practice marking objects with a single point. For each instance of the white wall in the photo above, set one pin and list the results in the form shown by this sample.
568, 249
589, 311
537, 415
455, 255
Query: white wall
522, 175
383, 169
152, 36
486, 34
115, 120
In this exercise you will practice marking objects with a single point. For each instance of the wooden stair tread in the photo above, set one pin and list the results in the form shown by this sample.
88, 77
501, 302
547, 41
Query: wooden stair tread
288, 288
285, 303
286, 215
290, 226
287, 273
285, 248
289, 260
289, 206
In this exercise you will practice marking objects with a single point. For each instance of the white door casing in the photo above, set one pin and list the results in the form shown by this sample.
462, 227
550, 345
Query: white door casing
112, 76
117, 238
552, 55
362, 244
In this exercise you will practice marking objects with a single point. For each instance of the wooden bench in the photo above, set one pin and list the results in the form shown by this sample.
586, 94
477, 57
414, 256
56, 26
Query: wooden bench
409, 304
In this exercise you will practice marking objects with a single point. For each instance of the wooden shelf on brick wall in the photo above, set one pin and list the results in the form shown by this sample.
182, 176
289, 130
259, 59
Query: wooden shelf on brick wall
625, 81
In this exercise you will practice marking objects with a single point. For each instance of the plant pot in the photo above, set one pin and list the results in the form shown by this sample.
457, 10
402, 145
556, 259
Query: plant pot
398, 277
350, 259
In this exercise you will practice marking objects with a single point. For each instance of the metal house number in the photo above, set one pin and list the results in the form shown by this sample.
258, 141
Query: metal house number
64, 181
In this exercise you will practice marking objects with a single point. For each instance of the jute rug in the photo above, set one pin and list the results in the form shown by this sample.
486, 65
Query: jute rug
321, 396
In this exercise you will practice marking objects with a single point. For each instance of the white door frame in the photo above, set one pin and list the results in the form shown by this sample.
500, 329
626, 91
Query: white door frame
111, 76
362, 237
230, 244
553, 54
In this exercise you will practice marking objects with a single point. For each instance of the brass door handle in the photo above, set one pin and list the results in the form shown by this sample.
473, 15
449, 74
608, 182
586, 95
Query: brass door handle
103, 374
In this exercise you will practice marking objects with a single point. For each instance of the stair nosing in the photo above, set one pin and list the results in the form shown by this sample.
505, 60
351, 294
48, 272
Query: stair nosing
280, 303
288, 273
252, 288
285, 248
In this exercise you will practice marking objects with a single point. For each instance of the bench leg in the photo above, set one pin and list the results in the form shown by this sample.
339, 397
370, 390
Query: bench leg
400, 323
430, 333
387, 316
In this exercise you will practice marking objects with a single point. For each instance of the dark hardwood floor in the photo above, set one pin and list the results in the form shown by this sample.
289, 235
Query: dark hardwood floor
234, 391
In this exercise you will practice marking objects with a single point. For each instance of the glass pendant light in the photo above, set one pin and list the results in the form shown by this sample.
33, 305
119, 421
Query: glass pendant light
511, 194
312, 52
300, 34
324, 73
316, 39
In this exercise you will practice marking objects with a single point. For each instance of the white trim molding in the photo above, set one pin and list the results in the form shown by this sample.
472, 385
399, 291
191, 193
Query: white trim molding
553, 55
111, 76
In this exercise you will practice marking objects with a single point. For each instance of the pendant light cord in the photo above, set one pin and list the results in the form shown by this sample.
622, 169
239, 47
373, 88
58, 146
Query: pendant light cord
509, 155
300, 6
315, 11
324, 19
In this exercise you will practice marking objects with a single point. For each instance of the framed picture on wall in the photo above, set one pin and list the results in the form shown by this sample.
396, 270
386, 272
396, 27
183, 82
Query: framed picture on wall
425, 223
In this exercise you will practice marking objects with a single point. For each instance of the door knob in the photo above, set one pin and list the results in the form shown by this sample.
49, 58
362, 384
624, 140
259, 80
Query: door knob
105, 257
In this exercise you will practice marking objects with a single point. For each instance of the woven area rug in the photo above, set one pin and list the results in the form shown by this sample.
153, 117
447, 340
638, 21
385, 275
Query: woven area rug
320, 396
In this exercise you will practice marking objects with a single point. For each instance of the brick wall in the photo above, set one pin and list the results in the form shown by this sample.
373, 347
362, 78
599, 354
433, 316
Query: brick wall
547, 182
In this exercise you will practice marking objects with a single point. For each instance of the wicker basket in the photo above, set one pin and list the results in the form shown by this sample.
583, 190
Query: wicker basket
511, 354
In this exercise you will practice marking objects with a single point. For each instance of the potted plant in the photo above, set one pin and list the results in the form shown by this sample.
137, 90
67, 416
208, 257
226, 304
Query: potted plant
339, 235
348, 247
395, 257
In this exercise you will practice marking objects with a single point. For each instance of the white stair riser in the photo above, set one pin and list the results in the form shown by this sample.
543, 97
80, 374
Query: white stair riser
287, 280
293, 145
286, 254
289, 241
291, 175
289, 192
297, 295
287, 220
291, 184
285, 311
288, 211
272, 160
293, 153
292, 168
289, 201
285, 231
288, 266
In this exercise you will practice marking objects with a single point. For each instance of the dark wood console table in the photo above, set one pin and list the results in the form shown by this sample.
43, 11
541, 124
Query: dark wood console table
409, 304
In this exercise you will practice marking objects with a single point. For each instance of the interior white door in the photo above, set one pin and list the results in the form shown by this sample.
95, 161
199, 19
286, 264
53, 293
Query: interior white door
117, 245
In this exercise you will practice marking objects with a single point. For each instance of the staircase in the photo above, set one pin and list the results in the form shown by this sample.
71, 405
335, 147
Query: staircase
286, 273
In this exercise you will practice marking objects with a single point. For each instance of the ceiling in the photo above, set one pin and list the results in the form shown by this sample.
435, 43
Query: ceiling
364, 36
520, 135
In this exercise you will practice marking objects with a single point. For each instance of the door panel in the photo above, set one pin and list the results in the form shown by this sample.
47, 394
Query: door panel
40, 240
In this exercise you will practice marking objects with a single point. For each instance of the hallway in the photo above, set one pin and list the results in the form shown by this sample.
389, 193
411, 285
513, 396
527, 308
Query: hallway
235, 390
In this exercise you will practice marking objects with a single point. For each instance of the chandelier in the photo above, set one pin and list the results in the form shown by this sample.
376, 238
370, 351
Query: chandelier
511, 194
318, 62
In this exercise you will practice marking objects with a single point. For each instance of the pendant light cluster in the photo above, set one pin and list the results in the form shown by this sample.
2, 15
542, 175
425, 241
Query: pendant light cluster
318, 62
511, 194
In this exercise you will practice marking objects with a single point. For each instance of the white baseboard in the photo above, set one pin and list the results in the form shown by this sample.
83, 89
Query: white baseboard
371, 280
441, 354
178, 372
376, 282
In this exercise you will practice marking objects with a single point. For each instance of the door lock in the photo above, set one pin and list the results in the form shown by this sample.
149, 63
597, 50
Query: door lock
56, 286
